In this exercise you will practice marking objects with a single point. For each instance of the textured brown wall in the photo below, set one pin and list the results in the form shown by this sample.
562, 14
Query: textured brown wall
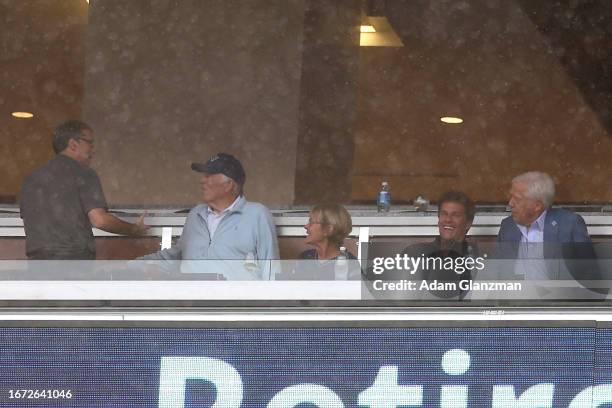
169, 83
277, 82
521, 110
328, 101
42, 55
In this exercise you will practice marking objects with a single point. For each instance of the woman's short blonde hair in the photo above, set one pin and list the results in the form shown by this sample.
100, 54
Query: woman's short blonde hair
337, 219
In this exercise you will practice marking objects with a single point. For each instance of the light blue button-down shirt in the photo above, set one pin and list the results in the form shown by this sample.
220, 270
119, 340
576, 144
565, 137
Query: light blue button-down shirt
247, 228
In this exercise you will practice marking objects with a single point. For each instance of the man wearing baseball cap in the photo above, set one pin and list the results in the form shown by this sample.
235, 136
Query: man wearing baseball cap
226, 226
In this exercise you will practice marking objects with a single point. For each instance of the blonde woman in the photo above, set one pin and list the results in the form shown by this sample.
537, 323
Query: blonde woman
328, 225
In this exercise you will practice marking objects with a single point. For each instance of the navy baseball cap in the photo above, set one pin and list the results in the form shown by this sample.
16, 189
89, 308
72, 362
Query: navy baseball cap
222, 163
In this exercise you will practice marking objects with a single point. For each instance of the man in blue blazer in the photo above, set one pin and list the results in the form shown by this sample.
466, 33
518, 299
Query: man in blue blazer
554, 240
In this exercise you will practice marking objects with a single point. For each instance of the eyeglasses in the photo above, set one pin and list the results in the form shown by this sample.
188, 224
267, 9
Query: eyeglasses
89, 141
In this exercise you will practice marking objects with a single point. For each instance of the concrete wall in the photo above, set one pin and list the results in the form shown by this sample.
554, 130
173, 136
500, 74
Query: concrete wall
42, 55
282, 85
169, 83
328, 101
486, 62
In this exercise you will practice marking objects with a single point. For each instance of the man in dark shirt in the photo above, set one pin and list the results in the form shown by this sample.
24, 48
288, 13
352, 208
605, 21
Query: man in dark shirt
61, 201
455, 216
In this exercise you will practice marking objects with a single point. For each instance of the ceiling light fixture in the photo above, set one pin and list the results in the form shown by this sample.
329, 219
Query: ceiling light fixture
23, 115
377, 32
451, 119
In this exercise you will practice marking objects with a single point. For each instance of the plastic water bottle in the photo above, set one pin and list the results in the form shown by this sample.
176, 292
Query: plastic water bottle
341, 267
384, 198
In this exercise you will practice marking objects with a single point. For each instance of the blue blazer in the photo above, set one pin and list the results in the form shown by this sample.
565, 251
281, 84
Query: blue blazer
560, 226
565, 237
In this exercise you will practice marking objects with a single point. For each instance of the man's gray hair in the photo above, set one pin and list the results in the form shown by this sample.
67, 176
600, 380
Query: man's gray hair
540, 186
237, 190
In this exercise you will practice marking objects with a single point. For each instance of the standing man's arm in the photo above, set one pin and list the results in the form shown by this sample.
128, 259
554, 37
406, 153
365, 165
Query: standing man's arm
94, 205
101, 219
190, 233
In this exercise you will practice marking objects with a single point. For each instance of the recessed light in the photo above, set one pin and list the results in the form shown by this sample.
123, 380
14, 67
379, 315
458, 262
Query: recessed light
23, 115
377, 32
451, 119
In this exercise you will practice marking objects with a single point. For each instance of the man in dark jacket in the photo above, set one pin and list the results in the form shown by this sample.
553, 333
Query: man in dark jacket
547, 243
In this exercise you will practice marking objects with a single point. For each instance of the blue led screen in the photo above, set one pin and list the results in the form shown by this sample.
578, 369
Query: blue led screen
308, 367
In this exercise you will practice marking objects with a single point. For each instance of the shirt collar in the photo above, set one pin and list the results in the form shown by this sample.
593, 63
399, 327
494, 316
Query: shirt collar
236, 206
67, 159
537, 225
539, 222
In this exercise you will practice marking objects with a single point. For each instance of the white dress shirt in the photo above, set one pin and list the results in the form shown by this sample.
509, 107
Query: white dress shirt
531, 250
213, 218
